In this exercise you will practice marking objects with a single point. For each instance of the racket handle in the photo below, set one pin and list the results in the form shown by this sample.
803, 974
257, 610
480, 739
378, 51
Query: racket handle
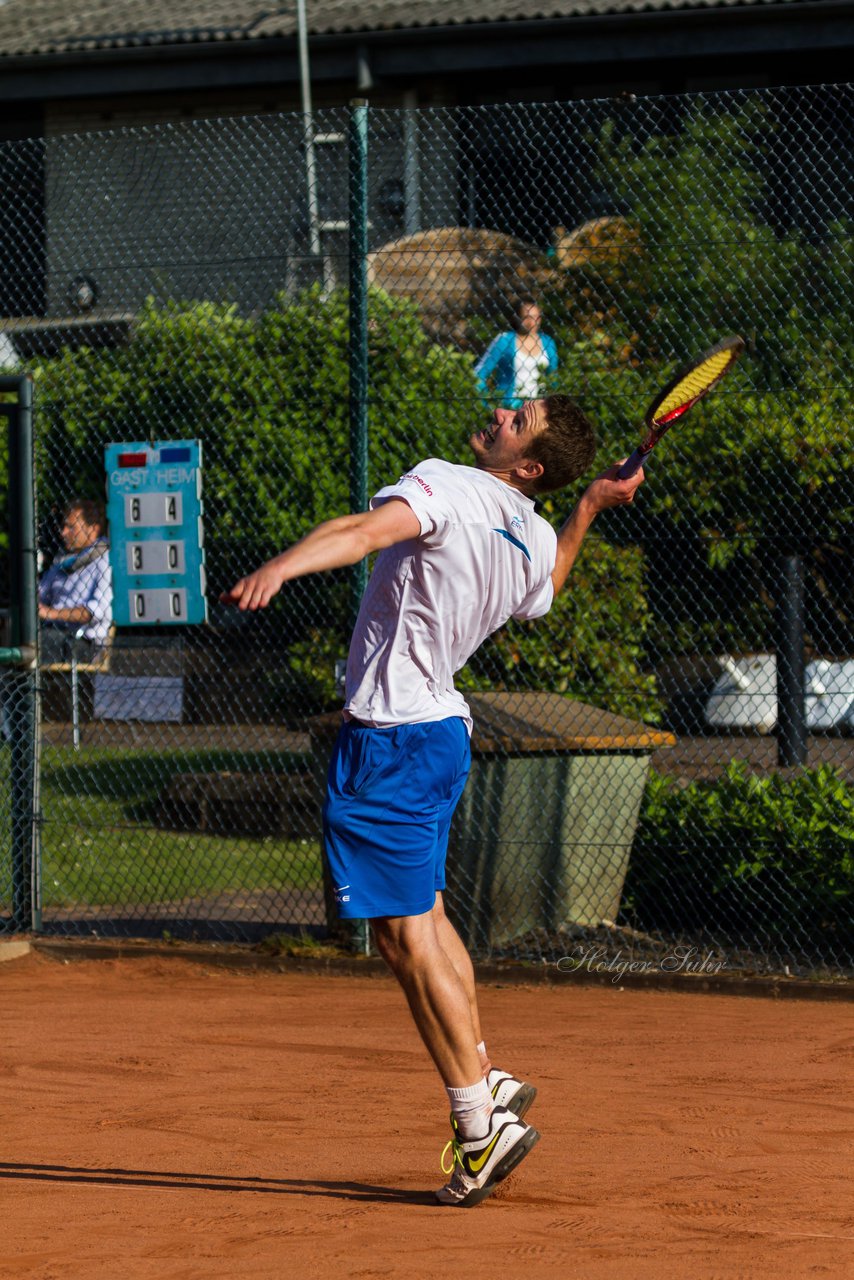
632, 464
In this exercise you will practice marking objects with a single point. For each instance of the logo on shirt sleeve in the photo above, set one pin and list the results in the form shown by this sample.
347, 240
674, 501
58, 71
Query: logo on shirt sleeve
413, 475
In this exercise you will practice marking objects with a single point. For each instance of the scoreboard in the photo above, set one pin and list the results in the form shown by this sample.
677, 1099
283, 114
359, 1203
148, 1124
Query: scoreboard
154, 509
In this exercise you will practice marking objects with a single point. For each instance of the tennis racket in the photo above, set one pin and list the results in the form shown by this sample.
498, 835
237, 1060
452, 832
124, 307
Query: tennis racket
691, 383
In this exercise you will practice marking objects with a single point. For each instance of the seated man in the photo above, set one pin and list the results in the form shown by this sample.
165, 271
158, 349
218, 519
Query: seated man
76, 592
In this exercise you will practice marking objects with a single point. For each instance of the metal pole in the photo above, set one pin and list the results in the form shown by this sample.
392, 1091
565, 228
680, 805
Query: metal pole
358, 359
411, 166
308, 132
791, 711
75, 698
358, 258
21, 679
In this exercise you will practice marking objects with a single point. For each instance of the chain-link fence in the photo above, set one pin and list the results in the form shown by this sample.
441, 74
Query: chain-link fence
637, 783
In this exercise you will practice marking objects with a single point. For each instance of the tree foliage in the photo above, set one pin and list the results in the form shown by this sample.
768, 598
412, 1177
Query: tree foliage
764, 466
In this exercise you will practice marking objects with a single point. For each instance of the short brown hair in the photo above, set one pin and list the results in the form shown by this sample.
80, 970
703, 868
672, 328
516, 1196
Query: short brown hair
90, 509
565, 447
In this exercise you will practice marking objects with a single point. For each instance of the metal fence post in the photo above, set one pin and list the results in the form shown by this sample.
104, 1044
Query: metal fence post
358, 361
791, 712
21, 657
358, 258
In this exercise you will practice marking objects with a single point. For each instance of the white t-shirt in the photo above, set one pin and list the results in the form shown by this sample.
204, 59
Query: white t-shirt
484, 555
526, 369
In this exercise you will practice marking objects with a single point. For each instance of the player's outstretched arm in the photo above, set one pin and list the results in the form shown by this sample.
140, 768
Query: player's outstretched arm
332, 545
605, 491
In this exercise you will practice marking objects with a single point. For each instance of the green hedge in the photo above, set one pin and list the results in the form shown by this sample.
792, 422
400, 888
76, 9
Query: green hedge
757, 854
269, 398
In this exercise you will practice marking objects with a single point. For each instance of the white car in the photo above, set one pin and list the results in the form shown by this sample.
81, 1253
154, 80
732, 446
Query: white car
745, 694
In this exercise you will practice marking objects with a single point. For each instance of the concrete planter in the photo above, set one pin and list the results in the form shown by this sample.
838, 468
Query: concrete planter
542, 836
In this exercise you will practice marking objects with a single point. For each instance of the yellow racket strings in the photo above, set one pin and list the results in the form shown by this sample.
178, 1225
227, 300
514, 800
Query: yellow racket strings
695, 382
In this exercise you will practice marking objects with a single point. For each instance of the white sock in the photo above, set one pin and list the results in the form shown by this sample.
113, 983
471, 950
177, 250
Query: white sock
472, 1107
483, 1055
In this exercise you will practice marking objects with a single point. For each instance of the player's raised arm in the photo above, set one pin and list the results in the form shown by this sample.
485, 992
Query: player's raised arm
607, 490
332, 545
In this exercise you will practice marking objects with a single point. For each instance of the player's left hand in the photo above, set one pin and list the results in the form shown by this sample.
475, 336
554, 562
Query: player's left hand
607, 490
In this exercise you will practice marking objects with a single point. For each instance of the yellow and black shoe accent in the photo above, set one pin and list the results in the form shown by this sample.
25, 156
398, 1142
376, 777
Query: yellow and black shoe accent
478, 1165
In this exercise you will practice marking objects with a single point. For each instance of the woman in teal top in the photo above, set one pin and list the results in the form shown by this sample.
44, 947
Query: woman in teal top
516, 362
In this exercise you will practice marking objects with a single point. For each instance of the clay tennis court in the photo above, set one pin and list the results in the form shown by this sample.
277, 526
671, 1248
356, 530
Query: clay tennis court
168, 1119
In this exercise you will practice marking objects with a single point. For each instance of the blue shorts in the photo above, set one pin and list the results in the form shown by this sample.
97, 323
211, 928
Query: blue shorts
391, 794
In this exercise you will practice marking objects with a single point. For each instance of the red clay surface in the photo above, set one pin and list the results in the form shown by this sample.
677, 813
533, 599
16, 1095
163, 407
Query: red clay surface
167, 1120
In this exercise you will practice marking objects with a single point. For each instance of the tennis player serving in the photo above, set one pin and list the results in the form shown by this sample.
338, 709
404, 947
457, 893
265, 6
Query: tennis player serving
462, 550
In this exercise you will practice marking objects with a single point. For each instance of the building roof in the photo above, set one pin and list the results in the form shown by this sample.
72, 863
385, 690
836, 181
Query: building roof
44, 27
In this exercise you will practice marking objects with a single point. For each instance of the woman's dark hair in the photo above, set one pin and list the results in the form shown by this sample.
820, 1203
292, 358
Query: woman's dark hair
524, 300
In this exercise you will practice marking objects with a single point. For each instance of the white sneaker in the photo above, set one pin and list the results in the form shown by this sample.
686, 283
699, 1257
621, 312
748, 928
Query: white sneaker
478, 1165
509, 1092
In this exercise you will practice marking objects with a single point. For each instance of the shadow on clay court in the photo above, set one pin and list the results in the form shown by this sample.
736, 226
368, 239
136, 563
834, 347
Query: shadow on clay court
143, 1178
